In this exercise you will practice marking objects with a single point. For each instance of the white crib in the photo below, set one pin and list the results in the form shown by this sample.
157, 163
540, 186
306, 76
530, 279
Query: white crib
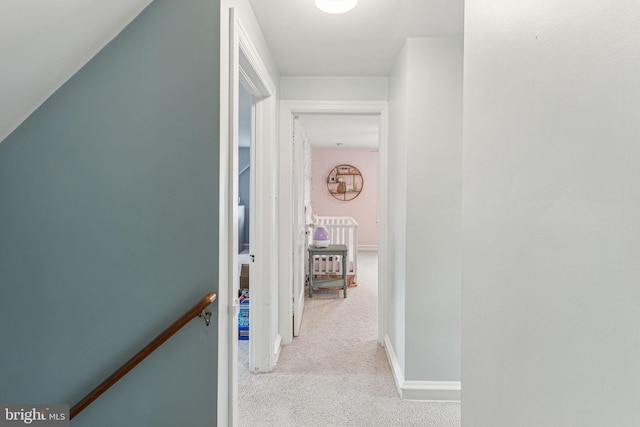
342, 230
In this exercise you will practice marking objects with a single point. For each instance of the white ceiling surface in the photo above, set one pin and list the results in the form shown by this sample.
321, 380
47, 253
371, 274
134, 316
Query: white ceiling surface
44, 42
352, 131
305, 41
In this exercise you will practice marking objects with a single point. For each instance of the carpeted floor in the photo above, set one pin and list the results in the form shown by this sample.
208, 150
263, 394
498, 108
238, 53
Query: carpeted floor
335, 373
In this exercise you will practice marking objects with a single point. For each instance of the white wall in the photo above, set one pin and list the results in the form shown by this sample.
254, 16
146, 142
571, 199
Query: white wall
397, 209
551, 291
425, 151
434, 188
334, 88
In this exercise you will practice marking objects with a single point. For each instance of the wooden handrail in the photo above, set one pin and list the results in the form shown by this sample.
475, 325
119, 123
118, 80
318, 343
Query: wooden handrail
142, 354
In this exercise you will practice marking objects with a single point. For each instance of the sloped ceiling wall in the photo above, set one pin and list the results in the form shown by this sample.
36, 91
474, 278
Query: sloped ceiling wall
44, 42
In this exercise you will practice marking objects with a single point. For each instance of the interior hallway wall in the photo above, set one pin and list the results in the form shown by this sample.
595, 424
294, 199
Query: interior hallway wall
109, 227
425, 174
395, 294
551, 214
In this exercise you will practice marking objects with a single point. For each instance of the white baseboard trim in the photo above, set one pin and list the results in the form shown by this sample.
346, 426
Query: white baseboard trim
433, 391
276, 349
368, 248
398, 376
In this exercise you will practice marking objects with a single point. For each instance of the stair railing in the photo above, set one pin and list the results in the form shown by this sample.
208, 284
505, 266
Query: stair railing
196, 311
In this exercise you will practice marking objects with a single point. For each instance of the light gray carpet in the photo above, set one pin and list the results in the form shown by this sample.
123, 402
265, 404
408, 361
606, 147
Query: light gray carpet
335, 373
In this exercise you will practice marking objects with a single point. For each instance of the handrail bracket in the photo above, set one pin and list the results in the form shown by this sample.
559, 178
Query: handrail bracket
206, 316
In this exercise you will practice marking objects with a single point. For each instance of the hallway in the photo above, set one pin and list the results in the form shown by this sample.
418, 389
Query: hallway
335, 373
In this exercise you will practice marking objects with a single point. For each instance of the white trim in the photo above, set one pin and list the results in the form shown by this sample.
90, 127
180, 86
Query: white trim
384, 260
253, 75
227, 408
277, 347
253, 72
398, 376
245, 66
285, 217
299, 237
431, 391
368, 248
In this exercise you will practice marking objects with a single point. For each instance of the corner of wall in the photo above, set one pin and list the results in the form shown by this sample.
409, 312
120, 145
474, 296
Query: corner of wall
396, 369
429, 391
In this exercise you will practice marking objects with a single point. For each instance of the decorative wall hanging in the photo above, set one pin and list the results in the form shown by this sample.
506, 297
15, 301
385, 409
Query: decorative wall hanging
345, 182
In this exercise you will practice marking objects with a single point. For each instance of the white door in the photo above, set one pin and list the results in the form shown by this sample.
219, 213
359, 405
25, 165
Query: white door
299, 227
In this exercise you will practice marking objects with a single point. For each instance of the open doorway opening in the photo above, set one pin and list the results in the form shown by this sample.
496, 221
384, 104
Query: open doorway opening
341, 194
290, 158
327, 345
245, 214
340, 191
247, 71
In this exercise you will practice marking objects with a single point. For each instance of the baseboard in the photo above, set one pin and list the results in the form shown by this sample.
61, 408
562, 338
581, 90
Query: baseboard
276, 349
398, 376
368, 248
434, 391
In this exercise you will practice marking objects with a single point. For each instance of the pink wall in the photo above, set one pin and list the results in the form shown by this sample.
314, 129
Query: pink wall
363, 208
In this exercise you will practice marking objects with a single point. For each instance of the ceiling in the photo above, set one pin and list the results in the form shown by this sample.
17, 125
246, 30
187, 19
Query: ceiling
331, 130
305, 41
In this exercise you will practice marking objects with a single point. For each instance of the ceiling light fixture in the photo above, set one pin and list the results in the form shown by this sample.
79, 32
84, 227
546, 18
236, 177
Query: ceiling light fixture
336, 6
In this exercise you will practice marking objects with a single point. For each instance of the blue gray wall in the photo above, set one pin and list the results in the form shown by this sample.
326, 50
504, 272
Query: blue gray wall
244, 157
244, 189
109, 227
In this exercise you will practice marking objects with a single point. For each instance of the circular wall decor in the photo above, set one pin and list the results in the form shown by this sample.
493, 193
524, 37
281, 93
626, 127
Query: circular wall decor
345, 182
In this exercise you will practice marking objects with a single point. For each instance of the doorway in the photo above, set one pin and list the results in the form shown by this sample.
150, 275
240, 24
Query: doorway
246, 72
331, 142
290, 196
246, 197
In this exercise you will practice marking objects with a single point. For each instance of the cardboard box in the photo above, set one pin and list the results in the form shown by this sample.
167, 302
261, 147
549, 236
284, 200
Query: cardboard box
244, 276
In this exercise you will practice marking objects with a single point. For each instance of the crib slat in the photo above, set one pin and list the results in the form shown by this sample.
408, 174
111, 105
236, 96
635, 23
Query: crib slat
342, 230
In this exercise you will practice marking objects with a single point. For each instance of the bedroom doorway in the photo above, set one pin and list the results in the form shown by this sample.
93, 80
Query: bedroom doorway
246, 199
293, 296
247, 72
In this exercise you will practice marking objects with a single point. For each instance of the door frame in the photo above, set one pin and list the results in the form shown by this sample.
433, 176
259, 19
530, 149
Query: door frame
264, 344
289, 109
247, 68
299, 243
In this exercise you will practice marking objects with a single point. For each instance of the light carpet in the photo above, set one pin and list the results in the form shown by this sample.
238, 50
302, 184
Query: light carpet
335, 373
